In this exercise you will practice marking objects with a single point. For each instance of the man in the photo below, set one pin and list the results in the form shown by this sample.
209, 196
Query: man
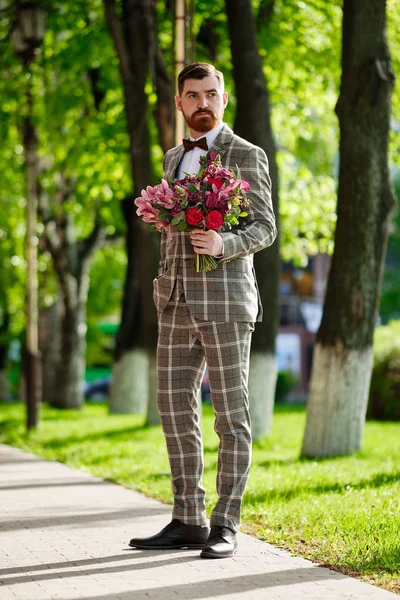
208, 318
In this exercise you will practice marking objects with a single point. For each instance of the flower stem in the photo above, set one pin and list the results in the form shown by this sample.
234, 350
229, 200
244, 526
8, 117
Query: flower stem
204, 263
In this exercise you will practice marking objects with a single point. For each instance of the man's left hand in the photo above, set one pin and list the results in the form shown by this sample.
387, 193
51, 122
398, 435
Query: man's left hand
206, 242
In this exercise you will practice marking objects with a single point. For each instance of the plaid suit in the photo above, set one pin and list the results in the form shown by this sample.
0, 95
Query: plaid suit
209, 317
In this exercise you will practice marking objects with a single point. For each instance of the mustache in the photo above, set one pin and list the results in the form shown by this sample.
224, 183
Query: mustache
204, 110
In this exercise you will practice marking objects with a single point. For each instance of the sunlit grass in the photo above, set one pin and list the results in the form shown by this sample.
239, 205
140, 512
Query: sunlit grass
341, 512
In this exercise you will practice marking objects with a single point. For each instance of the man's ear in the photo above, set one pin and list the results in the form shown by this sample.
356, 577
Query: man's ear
225, 99
178, 102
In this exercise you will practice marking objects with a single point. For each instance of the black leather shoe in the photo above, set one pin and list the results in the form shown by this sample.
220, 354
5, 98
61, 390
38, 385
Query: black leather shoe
175, 535
221, 543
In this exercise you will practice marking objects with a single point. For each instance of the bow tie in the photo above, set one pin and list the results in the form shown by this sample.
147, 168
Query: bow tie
190, 144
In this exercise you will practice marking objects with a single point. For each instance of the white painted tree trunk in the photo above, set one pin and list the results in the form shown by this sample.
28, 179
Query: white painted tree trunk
5, 395
337, 402
130, 387
262, 383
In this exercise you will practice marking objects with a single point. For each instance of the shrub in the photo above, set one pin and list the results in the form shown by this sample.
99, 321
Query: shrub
285, 383
384, 396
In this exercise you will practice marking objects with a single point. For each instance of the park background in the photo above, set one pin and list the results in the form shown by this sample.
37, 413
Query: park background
86, 115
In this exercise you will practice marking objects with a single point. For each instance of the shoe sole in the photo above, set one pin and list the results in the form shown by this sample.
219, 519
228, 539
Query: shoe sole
205, 554
188, 546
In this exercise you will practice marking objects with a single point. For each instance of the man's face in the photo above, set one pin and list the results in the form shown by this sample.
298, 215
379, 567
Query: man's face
202, 103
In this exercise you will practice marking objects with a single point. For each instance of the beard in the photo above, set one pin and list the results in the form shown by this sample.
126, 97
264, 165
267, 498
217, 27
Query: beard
204, 122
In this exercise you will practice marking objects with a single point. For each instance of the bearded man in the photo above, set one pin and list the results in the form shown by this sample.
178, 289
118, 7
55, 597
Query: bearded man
208, 318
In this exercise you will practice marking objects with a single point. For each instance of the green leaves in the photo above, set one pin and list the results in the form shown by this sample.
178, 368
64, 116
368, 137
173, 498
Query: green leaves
308, 211
183, 226
163, 214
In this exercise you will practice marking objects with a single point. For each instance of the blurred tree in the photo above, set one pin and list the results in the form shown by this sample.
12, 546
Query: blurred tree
79, 171
253, 122
390, 298
71, 257
82, 154
82, 123
132, 29
12, 221
343, 354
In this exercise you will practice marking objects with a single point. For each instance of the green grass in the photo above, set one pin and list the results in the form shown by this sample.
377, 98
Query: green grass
342, 512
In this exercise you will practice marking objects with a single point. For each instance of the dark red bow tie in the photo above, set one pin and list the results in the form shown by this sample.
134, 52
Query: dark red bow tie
190, 144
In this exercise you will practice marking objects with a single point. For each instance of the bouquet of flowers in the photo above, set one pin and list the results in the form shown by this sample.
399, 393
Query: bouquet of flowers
206, 201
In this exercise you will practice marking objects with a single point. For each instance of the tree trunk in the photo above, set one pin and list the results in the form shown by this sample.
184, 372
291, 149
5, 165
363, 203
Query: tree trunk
132, 37
165, 106
50, 346
343, 354
5, 395
130, 389
71, 259
71, 368
253, 122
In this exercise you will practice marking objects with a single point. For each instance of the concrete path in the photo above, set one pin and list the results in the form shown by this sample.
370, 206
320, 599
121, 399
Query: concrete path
64, 534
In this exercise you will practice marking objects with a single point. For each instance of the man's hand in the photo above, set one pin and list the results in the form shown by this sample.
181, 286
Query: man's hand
206, 242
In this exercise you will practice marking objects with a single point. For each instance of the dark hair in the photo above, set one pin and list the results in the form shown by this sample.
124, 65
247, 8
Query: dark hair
198, 70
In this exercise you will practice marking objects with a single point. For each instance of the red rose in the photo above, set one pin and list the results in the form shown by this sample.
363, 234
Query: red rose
217, 182
194, 216
214, 220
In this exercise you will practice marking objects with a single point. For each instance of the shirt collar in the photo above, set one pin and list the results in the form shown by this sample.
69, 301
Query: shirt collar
210, 136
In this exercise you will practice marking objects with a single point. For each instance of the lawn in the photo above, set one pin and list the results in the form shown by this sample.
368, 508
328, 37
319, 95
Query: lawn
341, 512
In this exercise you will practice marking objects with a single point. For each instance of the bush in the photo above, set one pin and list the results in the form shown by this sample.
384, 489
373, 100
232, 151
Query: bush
285, 383
384, 396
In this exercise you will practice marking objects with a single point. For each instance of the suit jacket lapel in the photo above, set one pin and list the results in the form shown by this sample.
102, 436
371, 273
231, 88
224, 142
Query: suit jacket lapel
171, 167
222, 141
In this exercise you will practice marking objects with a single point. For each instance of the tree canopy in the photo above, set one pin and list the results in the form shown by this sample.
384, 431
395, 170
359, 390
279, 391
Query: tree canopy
81, 124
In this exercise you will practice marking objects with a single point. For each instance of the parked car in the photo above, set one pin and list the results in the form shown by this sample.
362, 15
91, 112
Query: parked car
99, 389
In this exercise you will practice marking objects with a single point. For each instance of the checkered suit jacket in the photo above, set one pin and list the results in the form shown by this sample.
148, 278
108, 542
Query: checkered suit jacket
230, 292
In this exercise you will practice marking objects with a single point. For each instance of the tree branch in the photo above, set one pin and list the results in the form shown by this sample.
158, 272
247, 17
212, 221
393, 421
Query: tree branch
114, 239
95, 239
52, 237
265, 12
115, 27
165, 105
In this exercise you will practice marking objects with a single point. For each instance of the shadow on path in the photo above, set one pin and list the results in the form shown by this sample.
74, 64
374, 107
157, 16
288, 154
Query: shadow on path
101, 570
86, 518
67, 564
27, 486
212, 587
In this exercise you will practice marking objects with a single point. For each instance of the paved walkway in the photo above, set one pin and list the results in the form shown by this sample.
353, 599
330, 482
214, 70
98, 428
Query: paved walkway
64, 534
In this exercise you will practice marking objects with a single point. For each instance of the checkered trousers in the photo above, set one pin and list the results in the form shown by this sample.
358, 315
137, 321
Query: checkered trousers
185, 344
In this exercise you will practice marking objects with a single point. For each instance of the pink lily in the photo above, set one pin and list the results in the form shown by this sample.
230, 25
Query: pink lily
146, 210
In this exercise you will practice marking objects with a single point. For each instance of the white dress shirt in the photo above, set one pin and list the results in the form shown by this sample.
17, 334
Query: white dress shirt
190, 161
